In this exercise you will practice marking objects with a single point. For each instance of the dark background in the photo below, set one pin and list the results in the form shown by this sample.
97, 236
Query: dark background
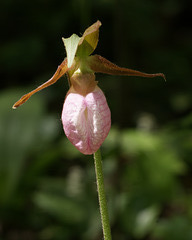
47, 188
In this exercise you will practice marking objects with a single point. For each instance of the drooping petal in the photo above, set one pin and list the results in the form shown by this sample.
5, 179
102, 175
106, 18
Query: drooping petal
61, 70
86, 120
100, 64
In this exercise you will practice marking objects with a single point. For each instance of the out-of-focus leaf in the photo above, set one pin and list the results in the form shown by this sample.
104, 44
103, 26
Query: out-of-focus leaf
65, 209
55, 232
145, 221
21, 131
176, 228
17, 135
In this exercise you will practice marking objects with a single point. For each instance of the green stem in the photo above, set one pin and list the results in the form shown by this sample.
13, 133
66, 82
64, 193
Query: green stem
102, 197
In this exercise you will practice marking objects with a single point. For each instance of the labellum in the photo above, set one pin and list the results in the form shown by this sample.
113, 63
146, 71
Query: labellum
86, 116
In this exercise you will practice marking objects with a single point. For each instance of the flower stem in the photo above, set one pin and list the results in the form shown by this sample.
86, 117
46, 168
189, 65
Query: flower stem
101, 195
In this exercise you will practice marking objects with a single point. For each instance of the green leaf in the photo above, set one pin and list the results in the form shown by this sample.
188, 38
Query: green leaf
71, 45
89, 40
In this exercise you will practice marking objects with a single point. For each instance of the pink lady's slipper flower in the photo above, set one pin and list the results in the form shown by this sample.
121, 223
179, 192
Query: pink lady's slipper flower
86, 116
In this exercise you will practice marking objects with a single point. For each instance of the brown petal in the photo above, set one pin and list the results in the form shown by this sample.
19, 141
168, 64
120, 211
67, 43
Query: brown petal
61, 70
102, 65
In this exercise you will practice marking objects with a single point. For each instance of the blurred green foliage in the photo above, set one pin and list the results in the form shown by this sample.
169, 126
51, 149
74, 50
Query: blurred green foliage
47, 188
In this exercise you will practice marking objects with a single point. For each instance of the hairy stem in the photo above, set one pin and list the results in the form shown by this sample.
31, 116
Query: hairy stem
101, 196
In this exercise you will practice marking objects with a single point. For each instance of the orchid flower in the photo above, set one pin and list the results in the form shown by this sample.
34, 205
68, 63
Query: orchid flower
86, 116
